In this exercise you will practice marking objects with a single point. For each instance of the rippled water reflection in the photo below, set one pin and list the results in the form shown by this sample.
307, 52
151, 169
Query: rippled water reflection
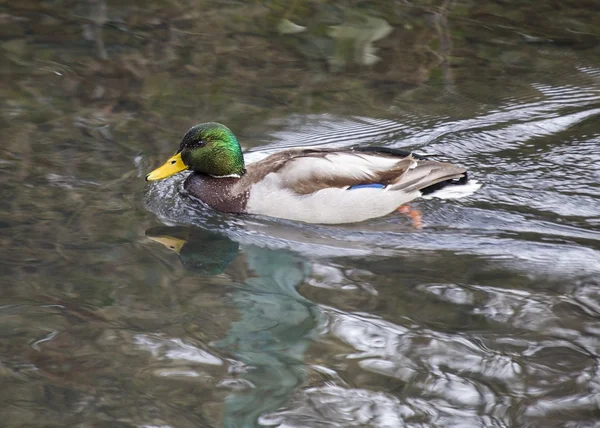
129, 305
488, 317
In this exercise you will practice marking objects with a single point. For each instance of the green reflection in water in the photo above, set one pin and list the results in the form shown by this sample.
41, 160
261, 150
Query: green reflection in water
276, 324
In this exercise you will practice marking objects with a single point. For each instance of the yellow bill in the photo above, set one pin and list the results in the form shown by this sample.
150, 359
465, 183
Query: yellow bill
170, 242
170, 167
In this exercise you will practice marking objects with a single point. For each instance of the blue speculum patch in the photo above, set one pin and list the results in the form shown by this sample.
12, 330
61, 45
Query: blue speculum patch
367, 186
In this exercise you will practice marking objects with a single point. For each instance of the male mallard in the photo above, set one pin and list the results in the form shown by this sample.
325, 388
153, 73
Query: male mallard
310, 185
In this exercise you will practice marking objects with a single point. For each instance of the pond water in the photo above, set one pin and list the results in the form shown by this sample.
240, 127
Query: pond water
125, 304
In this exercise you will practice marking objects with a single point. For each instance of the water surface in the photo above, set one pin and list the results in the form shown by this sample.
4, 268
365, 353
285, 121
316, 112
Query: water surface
126, 304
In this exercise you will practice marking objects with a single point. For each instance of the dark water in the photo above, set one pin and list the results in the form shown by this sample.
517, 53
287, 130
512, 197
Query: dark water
126, 305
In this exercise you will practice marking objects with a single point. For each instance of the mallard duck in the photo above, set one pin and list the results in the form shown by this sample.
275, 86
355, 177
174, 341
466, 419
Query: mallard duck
312, 185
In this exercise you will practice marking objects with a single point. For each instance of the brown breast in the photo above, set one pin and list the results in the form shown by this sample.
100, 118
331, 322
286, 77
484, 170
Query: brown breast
218, 193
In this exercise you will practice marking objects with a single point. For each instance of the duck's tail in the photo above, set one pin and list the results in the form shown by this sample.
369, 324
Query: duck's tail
431, 178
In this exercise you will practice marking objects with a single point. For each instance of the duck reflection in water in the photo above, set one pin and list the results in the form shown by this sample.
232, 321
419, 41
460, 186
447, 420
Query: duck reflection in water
276, 325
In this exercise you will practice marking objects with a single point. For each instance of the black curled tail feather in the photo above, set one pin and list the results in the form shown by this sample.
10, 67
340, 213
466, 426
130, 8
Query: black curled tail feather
453, 182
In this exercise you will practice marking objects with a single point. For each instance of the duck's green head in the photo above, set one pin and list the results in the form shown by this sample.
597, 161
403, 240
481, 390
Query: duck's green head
209, 148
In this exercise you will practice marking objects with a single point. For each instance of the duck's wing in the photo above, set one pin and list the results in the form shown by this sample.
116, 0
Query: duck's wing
315, 171
307, 171
424, 175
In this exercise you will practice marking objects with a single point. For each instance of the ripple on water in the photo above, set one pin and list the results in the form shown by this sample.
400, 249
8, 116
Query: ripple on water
524, 350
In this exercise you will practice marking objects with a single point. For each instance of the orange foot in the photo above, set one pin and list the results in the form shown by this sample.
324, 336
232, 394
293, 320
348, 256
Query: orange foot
414, 214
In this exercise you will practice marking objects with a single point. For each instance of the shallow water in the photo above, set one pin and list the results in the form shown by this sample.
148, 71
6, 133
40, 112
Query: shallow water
129, 305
